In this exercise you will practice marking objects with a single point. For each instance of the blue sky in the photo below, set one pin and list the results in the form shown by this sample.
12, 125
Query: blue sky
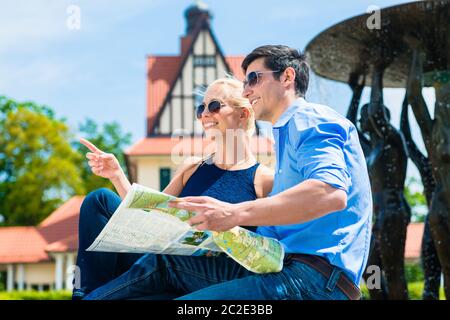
99, 71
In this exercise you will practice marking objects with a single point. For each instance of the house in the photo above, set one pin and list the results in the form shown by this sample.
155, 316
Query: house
42, 257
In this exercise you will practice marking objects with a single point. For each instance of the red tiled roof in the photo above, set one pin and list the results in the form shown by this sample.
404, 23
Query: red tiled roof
57, 233
63, 222
162, 71
189, 146
68, 209
234, 62
22, 245
414, 235
68, 244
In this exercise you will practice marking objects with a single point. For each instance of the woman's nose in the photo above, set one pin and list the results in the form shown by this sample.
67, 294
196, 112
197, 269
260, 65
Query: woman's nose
205, 113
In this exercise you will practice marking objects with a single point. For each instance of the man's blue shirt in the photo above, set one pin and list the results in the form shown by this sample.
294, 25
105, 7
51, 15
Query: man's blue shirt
315, 142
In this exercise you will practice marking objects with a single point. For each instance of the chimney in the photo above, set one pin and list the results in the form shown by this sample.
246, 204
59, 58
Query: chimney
196, 14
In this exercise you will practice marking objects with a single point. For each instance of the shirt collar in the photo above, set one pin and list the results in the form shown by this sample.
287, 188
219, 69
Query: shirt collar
289, 113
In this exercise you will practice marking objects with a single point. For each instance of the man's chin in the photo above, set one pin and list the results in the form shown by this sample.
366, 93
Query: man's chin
262, 116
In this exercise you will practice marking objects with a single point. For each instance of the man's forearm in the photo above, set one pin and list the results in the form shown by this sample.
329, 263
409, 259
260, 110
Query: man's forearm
309, 200
121, 184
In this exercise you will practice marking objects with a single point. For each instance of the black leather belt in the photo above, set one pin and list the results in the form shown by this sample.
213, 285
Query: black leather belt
325, 268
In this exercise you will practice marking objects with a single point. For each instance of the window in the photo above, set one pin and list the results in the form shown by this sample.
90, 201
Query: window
204, 61
164, 177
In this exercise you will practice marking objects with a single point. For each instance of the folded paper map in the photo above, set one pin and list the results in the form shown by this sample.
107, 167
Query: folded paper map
144, 223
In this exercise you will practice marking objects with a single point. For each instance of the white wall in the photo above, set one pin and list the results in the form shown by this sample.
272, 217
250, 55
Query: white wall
39, 273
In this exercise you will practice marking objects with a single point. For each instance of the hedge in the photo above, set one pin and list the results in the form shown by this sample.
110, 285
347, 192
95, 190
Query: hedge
36, 295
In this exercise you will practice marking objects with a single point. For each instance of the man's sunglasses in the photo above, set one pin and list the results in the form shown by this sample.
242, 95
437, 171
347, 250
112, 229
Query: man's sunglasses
213, 107
253, 77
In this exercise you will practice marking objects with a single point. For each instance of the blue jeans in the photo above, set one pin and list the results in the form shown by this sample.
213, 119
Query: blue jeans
97, 268
156, 277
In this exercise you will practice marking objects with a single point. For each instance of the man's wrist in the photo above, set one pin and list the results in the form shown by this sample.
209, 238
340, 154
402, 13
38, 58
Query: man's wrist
242, 212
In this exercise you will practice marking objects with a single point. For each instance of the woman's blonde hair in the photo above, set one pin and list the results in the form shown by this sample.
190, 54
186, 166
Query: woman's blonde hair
232, 93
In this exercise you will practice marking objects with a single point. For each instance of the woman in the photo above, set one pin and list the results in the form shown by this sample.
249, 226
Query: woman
228, 119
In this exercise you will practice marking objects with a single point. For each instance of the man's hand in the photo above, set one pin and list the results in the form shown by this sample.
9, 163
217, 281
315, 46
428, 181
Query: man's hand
211, 214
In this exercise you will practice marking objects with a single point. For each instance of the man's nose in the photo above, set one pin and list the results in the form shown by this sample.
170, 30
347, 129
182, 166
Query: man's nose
247, 91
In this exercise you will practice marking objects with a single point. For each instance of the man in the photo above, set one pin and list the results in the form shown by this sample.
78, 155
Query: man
319, 208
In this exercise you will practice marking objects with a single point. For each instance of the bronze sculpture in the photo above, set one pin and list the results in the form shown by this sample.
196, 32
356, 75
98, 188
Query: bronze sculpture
430, 261
436, 134
357, 87
386, 158
339, 52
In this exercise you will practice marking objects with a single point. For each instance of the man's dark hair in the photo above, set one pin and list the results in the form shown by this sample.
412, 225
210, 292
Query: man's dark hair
278, 57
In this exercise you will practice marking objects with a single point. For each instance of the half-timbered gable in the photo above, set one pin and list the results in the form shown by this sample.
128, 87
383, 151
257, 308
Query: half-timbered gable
174, 87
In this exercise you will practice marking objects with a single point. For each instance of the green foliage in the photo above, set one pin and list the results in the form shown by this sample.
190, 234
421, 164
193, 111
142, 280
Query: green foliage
109, 139
415, 290
36, 295
8, 105
413, 272
38, 169
416, 200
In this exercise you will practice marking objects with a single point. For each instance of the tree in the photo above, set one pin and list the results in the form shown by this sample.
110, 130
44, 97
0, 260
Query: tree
38, 167
109, 139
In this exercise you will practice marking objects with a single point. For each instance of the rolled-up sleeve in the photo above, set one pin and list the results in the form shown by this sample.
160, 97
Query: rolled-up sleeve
320, 155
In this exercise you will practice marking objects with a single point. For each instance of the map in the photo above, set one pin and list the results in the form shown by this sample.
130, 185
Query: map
144, 223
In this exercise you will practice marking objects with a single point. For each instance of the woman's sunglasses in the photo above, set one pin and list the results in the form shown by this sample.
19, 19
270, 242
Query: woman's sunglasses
213, 107
253, 77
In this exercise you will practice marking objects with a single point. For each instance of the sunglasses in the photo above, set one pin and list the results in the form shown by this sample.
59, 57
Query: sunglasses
213, 107
253, 77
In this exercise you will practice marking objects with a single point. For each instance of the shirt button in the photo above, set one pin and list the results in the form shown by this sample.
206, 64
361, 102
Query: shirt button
279, 171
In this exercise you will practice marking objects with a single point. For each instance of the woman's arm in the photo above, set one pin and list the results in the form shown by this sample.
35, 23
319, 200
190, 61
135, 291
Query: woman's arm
263, 181
182, 175
121, 184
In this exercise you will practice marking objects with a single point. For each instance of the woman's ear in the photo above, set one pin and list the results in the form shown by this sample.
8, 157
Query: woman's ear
245, 113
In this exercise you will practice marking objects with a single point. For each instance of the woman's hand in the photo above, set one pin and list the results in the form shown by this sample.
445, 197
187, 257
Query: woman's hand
102, 164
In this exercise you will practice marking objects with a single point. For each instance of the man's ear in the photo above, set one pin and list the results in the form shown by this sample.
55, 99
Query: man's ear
289, 75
